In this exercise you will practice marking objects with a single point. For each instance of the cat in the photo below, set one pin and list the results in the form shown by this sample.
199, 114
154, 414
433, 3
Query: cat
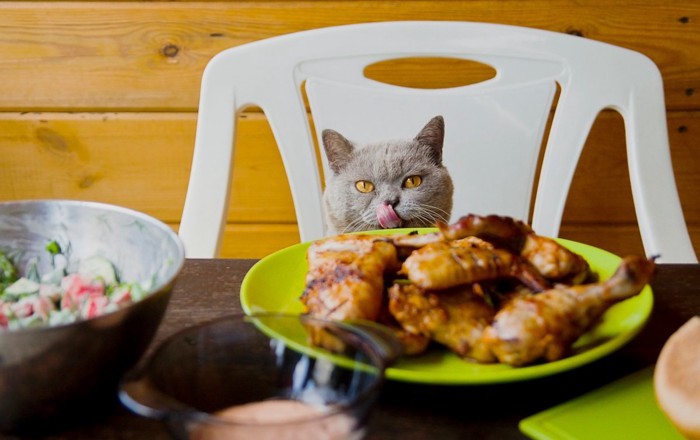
387, 184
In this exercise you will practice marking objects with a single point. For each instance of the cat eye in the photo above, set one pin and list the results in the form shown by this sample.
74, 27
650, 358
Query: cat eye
412, 181
364, 186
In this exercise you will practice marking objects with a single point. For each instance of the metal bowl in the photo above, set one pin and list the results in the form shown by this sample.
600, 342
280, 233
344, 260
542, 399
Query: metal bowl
53, 376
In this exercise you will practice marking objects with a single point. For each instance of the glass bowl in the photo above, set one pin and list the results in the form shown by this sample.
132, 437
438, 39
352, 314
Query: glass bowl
258, 377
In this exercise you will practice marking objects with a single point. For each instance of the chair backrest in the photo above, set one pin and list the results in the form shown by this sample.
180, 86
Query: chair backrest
494, 129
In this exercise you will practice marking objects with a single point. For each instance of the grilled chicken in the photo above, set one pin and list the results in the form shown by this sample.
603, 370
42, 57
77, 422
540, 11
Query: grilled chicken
345, 279
455, 318
441, 299
552, 260
442, 265
527, 328
544, 325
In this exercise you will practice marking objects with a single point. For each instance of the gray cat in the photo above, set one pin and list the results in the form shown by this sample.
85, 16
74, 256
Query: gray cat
389, 184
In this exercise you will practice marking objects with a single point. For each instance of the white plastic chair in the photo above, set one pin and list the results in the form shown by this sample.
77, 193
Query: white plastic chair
494, 129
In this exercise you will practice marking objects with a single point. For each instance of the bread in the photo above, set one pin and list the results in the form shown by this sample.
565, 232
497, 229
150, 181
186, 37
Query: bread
677, 379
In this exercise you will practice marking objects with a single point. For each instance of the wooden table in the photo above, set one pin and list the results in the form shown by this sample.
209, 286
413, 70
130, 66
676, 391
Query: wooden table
208, 289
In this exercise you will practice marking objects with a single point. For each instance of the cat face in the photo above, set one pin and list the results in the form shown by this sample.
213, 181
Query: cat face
388, 184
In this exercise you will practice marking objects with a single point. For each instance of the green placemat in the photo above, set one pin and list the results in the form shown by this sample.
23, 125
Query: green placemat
625, 409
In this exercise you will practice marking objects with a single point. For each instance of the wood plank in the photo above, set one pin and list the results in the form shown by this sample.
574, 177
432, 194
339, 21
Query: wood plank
254, 240
257, 240
619, 239
139, 160
601, 188
73, 56
93, 157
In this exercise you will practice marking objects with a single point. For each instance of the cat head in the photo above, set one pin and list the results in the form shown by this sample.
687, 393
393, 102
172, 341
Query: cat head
387, 184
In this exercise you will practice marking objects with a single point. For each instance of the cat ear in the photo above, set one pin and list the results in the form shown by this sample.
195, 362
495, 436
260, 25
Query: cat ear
338, 149
432, 135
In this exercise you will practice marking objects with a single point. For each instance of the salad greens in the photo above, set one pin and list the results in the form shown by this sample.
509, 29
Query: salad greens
8, 272
59, 297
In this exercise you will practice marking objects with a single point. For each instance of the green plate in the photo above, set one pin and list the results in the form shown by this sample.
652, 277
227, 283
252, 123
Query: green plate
275, 283
623, 409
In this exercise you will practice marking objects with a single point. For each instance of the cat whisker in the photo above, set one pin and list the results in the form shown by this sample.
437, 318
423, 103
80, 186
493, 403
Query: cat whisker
434, 209
359, 224
428, 214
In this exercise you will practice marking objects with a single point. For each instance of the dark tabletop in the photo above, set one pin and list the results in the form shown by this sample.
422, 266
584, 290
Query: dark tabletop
207, 289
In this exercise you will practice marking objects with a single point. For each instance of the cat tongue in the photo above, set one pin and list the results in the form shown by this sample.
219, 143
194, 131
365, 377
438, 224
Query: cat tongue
386, 216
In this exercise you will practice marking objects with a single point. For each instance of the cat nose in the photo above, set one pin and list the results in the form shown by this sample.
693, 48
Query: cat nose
392, 202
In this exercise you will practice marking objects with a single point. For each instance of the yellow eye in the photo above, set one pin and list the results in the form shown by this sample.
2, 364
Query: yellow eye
364, 186
412, 181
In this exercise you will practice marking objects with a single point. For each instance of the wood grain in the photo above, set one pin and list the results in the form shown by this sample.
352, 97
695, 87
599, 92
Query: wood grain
92, 156
141, 160
149, 56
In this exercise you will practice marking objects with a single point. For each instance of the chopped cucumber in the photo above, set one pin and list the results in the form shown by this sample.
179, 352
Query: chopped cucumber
56, 274
98, 267
22, 287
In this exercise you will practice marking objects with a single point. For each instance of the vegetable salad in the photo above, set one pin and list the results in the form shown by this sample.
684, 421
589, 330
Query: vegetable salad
58, 297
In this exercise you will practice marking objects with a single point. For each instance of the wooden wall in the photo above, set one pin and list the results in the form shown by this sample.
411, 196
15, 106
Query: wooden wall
98, 101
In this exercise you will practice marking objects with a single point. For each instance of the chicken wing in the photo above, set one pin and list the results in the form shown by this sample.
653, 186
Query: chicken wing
526, 328
545, 325
552, 260
442, 265
455, 318
345, 279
